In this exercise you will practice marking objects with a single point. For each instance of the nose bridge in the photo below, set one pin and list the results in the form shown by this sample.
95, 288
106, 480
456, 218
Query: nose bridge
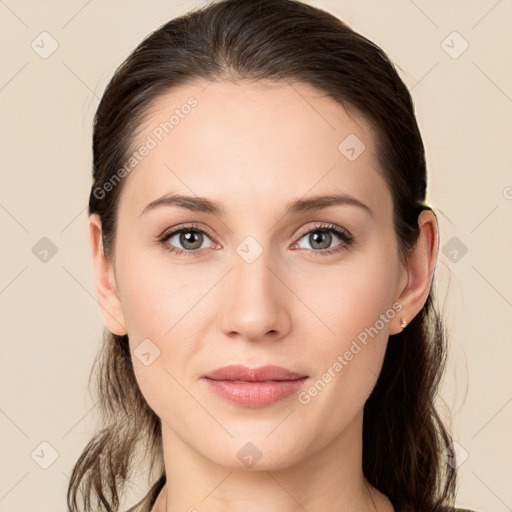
254, 304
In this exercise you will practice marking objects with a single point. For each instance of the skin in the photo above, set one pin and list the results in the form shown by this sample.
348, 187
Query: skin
255, 147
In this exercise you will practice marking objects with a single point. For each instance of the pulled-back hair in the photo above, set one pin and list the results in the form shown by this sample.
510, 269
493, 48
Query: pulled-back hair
288, 41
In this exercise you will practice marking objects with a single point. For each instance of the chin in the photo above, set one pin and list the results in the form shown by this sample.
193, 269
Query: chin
260, 454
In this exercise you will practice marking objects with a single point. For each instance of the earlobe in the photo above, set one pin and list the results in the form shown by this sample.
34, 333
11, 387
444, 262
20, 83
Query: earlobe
420, 270
104, 279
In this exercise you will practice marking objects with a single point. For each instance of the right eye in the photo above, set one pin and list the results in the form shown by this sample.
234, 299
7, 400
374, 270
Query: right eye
190, 238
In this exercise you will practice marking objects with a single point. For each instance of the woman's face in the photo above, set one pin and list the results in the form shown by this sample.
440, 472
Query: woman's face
270, 282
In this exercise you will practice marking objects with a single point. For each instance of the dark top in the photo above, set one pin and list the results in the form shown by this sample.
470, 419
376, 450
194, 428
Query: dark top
149, 500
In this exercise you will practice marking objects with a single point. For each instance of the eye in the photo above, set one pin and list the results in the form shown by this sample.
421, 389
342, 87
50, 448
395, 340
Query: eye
191, 238
320, 239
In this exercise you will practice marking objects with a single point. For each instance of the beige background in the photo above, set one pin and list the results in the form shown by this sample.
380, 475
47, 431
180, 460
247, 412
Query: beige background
51, 323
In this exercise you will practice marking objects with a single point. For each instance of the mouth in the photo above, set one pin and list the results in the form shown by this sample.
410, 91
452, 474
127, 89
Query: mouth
257, 387
244, 374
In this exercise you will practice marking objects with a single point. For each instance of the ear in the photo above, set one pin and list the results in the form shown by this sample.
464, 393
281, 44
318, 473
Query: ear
419, 271
104, 279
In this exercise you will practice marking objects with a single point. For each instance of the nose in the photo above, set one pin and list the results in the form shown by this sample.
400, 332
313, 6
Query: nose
257, 303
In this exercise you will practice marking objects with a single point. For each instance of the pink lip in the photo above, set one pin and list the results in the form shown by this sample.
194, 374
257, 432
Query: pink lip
256, 387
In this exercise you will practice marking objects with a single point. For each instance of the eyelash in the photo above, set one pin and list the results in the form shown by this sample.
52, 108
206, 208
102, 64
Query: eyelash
346, 239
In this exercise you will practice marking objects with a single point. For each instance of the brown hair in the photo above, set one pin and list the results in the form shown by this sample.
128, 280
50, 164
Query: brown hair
278, 40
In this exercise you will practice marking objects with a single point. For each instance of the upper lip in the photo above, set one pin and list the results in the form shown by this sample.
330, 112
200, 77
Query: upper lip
244, 373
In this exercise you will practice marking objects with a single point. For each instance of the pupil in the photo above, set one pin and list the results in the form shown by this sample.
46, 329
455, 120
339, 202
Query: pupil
188, 237
317, 239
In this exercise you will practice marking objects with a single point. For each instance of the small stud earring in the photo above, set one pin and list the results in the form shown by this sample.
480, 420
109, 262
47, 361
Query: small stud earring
403, 323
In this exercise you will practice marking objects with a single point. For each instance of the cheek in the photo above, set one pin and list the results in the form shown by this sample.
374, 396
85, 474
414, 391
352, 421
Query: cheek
159, 298
345, 300
163, 309
352, 310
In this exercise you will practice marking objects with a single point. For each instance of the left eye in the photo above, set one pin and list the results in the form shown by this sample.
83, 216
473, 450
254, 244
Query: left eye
321, 238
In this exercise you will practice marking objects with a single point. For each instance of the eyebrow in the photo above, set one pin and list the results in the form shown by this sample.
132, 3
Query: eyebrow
202, 204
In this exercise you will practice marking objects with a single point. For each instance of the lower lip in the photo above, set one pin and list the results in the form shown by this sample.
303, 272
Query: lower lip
255, 394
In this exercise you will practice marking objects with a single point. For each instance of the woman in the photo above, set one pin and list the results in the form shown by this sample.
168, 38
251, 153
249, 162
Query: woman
264, 258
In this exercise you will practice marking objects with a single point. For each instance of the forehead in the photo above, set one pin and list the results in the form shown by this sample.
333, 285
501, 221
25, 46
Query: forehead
257, 143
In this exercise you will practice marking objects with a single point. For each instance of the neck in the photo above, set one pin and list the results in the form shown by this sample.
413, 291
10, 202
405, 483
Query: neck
331, 479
